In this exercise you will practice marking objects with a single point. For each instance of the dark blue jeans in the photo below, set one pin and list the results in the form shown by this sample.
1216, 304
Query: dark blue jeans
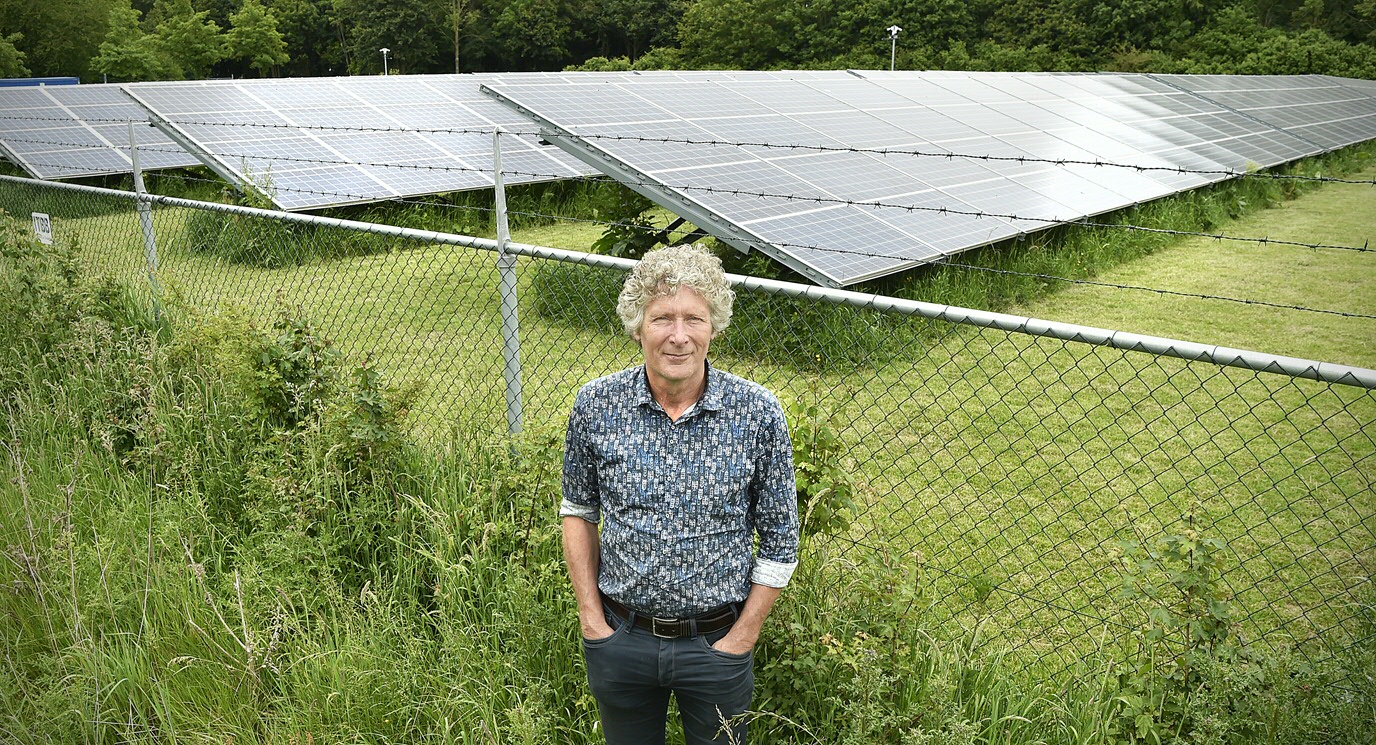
632, 672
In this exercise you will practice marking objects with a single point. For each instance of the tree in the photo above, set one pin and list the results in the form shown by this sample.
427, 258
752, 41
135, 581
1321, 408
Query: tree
190, 39
11, 59
535, 34
459, 14
1310, 14
771, 33
1140, 24
1365, 11
739, 34
58, 37
253, 36
1230, 37
129, 54
416, 31
1311, 51
630, 28
315, 44
1031, 23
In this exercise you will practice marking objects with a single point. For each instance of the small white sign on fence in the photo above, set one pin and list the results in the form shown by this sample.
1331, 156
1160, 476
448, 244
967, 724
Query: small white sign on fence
43, 228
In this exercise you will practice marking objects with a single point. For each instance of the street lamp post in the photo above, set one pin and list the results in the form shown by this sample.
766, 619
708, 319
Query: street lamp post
384, 51
893, 43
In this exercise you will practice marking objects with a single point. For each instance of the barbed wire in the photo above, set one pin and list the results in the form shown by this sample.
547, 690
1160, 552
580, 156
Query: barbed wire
878, 204
100, 148
1020, 159
882, 151
520, 128
945, 260
1049, 221
840, 201
312, 161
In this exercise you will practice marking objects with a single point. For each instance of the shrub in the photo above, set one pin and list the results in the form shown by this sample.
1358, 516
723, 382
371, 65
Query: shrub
826, 488
1187, 626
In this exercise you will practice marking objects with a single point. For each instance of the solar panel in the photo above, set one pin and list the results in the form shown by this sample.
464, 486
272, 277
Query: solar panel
1289, 103
1366, 87
68, 131
312, 143
850, 177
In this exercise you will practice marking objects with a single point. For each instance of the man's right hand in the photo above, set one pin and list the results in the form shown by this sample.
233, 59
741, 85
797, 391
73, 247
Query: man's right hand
596, 628
581, 554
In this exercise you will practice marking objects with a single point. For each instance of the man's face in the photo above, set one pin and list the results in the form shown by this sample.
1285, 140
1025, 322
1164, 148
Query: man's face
674, 337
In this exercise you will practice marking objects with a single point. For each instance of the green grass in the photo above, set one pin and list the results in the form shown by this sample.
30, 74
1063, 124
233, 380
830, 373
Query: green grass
1314, 278
992, 455
999, 471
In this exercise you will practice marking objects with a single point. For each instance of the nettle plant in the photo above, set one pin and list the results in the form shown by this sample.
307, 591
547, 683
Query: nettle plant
1178, 579
826, 488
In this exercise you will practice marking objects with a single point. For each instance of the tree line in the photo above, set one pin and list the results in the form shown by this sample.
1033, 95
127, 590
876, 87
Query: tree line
126, 40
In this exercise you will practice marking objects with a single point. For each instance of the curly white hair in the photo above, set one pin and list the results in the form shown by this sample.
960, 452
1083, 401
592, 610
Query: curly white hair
663, 271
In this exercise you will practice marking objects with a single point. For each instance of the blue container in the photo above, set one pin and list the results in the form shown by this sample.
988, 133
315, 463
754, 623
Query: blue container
25, 82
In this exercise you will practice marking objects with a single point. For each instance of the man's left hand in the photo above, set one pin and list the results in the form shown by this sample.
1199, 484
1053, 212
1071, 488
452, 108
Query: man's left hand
732, 645
746, 631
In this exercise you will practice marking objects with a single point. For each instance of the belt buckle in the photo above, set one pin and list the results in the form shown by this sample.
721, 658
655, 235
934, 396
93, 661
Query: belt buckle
655, 621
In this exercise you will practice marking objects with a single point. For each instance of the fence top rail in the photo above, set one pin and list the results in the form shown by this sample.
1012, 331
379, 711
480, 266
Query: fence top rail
1294, 367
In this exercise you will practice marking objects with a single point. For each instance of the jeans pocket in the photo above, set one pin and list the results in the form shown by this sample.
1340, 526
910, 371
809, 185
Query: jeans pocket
707, 643
618, 628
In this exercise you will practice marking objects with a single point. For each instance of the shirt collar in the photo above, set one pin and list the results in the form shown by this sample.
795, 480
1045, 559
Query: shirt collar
711, 396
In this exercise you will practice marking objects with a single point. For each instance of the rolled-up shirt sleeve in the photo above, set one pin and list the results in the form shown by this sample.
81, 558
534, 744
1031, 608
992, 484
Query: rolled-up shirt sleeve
580, 497
774, 496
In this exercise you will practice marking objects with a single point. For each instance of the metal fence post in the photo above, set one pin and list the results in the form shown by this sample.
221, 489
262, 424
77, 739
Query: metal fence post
150, 240
506, 266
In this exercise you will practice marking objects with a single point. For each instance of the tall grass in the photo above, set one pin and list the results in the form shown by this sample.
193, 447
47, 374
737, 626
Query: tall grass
220, 530
219, 534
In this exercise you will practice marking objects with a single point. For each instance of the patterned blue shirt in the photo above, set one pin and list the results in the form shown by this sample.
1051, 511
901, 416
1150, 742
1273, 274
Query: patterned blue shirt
680, 503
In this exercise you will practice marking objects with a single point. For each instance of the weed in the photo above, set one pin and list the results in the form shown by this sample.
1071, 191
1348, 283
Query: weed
1188, 626
299, 370
826, 488
373, 417
630, 232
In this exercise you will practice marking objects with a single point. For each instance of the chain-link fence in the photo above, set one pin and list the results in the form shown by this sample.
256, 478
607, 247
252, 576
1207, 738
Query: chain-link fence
1004, 463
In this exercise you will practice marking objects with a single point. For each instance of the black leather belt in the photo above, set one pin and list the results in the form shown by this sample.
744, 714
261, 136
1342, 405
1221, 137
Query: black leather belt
679, 628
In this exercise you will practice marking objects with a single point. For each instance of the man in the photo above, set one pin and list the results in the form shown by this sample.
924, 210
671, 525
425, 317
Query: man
681, 466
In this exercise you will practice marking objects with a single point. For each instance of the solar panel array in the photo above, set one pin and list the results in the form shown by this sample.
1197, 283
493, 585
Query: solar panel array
67, 131
803, 166
312, 143
843, 175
